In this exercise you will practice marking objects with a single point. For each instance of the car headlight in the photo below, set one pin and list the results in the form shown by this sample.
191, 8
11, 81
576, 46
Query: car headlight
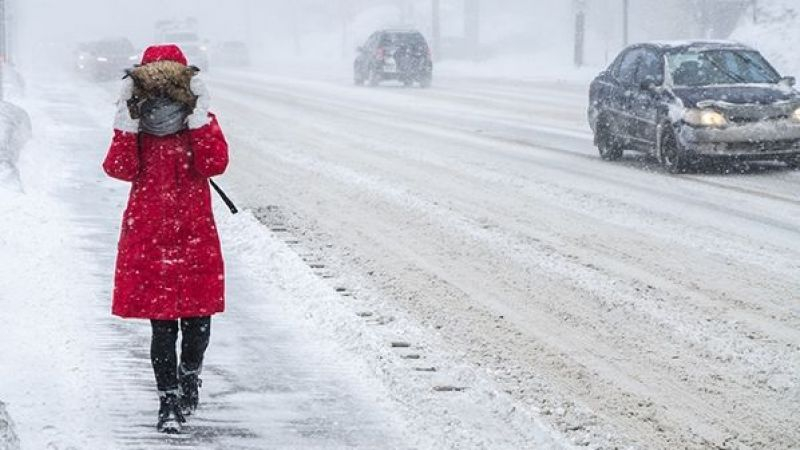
102, 59
796, 115
705, 118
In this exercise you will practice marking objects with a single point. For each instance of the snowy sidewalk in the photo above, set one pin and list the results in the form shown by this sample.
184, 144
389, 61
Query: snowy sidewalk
74, 377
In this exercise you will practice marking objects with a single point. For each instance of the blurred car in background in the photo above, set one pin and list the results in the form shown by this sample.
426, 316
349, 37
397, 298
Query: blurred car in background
691, 102
105, 59
196, 53
231, 54
184, 34
401, 55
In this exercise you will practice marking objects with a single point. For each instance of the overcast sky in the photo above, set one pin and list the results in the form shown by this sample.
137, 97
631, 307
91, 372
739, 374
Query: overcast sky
332, 28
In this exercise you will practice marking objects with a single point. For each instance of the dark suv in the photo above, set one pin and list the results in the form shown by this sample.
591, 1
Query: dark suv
401, 55
688, 102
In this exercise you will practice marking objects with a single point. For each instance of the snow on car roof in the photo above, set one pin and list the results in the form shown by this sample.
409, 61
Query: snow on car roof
397, 30
698, 44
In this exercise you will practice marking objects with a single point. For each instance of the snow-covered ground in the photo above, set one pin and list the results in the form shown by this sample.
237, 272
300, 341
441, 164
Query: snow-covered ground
77, 378
294, 362
443, 268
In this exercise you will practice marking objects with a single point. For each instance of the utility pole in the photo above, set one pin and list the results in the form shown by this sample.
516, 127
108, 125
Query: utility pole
472, 25
344, 16
580, 31
249, 35
625, 22
406, 12
2, 47
705, 19
436, 30
295, 12
755, 11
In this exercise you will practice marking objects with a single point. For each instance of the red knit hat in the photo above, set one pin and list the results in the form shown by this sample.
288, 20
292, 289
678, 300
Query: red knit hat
168, 52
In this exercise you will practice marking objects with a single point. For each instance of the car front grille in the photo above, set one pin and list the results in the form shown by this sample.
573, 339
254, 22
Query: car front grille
764, 146
745, 119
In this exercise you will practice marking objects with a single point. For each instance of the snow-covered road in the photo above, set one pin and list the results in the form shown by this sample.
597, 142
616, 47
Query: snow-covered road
621, 304
444, 268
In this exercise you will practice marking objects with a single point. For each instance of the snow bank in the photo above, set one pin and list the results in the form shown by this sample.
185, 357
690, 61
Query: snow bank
8, 438
15, 130
774, 33
36, 270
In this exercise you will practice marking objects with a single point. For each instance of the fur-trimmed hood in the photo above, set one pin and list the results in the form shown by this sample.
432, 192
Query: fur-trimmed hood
162, 79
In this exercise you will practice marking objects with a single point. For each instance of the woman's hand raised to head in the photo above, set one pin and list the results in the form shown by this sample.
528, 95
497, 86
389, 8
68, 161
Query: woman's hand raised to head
200, 117
123, 120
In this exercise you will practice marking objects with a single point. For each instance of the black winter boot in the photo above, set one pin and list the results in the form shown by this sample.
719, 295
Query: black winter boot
170, 417
190, 391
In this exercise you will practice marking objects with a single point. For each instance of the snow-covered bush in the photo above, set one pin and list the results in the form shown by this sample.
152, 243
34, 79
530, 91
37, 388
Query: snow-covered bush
15, 130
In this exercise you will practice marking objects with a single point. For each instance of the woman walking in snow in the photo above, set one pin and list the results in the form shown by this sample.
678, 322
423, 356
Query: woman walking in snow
169, 264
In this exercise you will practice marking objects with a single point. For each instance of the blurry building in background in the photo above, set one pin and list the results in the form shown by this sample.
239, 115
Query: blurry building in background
534, 31
659, 20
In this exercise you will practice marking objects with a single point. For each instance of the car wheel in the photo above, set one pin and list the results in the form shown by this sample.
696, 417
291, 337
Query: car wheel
358, 79
374, 78
672, 157
426, 81
608, 145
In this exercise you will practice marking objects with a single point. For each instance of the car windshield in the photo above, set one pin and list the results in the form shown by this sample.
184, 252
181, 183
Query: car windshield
191, 49
399, 39
181, 37
116, 47
710, 67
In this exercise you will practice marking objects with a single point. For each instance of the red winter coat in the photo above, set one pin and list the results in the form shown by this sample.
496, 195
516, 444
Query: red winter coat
169, 263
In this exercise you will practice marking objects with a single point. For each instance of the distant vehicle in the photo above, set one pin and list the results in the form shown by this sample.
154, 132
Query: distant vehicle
184, 34
690, 102
105, 59
232, 53
196, 54
401, 55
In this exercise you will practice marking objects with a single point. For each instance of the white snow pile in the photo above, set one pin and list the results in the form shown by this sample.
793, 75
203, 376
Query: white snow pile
8, 438
774, 32
15, 130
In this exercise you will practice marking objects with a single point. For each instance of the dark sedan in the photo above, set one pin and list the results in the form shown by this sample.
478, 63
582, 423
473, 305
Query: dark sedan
106, 59
690, 102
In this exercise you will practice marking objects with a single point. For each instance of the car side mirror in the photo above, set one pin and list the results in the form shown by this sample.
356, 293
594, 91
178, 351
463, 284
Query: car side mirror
788, 81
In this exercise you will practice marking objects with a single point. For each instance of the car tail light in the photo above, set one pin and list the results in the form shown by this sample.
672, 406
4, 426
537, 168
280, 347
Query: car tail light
380, 53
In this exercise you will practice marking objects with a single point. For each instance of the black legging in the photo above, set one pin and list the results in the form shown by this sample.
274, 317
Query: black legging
196, 333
